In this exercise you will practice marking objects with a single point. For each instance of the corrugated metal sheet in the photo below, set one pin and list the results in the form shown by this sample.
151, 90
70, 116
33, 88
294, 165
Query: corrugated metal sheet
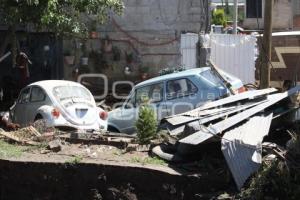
189, 50
234, 98
217, 128
242, 148
235, 54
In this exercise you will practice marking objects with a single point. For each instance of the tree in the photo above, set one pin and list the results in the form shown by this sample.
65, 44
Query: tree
218, 17
146, 124
62, 17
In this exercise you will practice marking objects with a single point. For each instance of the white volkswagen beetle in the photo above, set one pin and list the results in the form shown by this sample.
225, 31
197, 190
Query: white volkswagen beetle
60, 104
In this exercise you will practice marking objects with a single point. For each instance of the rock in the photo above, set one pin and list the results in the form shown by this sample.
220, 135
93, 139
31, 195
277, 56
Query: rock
45, 151
54, 145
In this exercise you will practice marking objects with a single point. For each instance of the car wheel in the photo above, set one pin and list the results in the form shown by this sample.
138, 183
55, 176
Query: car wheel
112, 129
38, 117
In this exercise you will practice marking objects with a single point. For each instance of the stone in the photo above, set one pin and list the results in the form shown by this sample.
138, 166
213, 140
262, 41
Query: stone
55, 145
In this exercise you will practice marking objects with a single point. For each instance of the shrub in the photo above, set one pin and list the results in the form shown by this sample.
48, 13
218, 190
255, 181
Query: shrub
218, 17
146, 125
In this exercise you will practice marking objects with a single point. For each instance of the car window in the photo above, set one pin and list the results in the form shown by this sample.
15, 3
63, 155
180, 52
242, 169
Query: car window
131, 101
37, 94
152, 94
24, 96
212, 78
180, 87
71, 92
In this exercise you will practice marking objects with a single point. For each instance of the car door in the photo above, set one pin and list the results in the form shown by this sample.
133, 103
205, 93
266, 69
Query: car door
152, 95
19, 114
181, 95
37, 99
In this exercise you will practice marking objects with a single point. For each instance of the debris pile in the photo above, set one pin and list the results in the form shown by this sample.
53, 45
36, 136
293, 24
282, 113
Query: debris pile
240, 122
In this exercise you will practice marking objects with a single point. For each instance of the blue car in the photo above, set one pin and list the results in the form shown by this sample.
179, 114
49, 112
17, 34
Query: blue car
173, 94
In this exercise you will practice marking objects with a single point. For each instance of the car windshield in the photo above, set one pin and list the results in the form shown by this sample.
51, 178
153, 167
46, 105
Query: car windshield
71, 92
212, 78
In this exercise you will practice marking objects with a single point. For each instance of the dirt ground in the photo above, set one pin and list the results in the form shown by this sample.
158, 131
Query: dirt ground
38, 173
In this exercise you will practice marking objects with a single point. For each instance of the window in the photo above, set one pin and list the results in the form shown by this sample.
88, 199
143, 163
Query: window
296, 7
37, 94
71, 92
180, 87
151, 94
24, 97
254, 8
211, 78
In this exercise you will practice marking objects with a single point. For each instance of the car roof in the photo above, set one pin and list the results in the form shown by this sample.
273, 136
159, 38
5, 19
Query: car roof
49, 84
175, 75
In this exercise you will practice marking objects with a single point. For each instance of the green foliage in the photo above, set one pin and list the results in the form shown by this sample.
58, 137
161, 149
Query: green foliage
59, 16
171, 70
277, 179
272, 181
148, 160
146, 125
75, 160
218, 17
9, 150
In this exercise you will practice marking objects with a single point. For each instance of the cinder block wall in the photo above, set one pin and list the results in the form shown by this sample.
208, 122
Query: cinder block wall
150, 29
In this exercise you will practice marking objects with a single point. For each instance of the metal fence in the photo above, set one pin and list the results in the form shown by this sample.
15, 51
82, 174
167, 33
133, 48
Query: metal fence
235, 54
189, 50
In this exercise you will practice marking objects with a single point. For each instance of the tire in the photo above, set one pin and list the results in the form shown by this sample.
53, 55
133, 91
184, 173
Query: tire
112, 129
167, 153
38, 117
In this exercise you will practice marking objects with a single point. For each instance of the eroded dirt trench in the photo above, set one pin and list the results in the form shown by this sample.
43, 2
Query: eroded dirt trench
52, 180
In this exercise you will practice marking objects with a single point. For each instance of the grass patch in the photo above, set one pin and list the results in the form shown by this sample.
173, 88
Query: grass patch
75, 160
10, 151
148, 160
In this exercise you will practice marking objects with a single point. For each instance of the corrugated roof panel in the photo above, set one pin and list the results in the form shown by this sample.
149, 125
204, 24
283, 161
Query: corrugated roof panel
223, 125
242, 149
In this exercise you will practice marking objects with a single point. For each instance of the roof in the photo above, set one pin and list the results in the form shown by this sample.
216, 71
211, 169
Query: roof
285, 33
189, 72
49, 84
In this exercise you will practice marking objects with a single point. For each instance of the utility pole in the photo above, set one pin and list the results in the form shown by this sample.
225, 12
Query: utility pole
235, 18
266, 45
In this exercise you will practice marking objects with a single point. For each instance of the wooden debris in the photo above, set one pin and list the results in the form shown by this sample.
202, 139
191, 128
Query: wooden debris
24, 135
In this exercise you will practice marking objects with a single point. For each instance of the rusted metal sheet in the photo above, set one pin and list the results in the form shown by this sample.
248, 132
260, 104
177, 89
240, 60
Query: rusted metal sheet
242, 147
211, 131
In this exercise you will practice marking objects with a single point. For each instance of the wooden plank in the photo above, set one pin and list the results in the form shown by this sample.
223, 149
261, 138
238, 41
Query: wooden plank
211, 131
